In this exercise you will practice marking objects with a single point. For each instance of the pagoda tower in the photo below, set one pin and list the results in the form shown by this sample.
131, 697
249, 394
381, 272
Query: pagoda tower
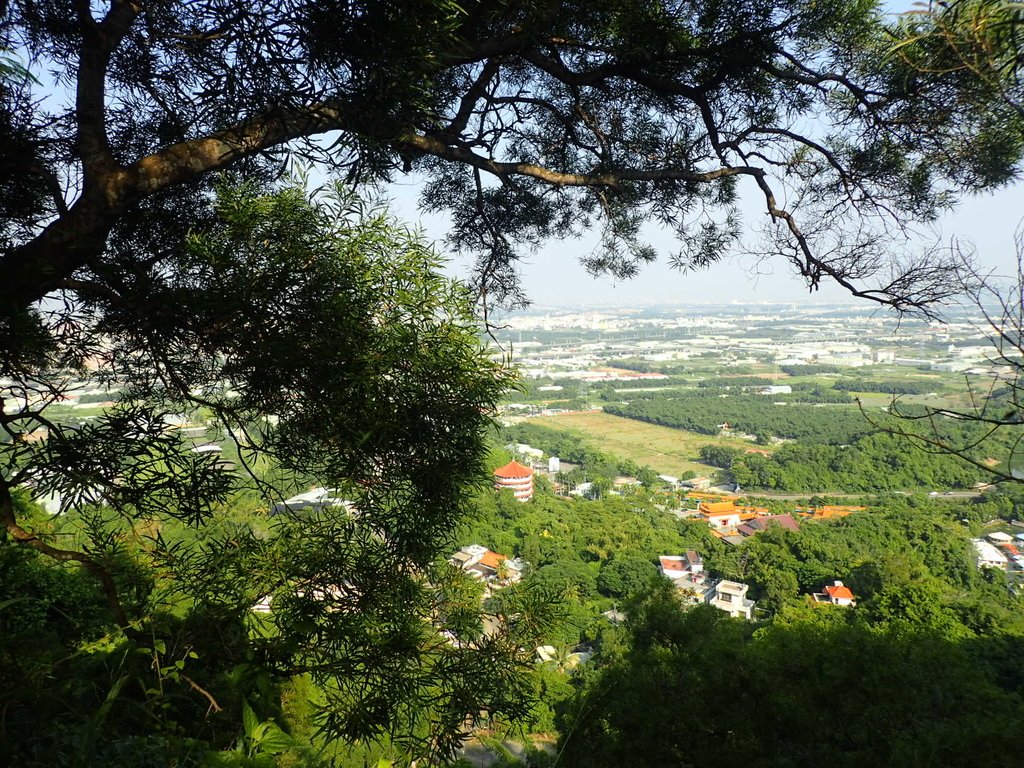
517, 478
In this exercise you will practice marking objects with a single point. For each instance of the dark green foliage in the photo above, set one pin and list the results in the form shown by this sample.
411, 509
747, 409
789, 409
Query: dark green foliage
873, 463
568, 574
75, 696
899, 542
44, 607
647, 366
585, 115
329, 348
528, 390
704, 413
821, 688
964, 53
624, 575
888, 387
1004, 501
586, 551
24, 192
720, 456
768, 695
810, 370
555, 690
836, 448
550, 530
812, 393
322, 337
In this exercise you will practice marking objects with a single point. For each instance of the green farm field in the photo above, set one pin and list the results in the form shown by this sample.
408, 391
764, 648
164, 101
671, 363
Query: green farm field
667, 451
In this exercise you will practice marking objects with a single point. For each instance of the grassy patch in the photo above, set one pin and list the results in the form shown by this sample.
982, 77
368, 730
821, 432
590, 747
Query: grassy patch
666, 450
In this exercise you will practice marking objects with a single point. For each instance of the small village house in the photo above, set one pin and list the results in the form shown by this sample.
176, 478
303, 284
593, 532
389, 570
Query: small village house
487, 566
731, 597
836, 594
989, 556
689, 566
760, 523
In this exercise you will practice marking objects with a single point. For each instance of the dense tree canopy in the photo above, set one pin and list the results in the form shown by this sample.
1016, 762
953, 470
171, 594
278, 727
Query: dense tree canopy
320, 340
319, 344
818, 687
527, 120
814, 684
977, 48
707, 412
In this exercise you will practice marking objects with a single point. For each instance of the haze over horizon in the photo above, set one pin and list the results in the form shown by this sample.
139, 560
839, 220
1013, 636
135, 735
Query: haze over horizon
554, 276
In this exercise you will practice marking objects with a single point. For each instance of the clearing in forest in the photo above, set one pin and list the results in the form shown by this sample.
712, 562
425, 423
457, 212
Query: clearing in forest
666, 450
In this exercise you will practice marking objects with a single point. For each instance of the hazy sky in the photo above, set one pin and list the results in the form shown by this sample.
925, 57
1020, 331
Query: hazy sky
554, 276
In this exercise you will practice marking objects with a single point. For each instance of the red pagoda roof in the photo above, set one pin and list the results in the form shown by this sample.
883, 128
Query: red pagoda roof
513, 469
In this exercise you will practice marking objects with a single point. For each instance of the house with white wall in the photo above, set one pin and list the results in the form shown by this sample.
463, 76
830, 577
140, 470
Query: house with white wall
720, 514
989, 556
485, 565
836, 594
731, 597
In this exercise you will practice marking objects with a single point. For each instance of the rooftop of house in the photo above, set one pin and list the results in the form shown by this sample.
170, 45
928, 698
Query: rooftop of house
716, 508
492, 559
513, 470
839, 591
988, 551
763, 522
673, 563
732, 587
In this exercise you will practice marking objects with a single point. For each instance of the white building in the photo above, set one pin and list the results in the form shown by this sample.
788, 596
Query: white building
843, 361
989, 556
731, 597
951, 366
315, 500
485, 565
688, 566
840, 594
